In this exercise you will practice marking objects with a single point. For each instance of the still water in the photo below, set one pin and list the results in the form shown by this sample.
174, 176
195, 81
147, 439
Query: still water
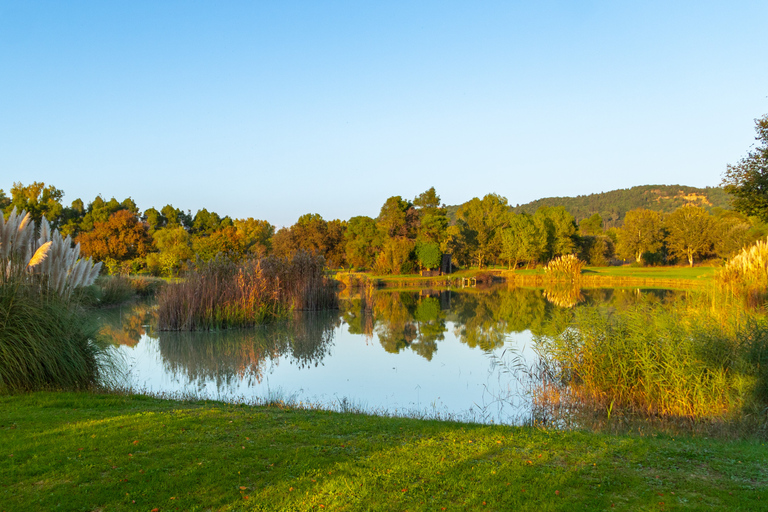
453, 354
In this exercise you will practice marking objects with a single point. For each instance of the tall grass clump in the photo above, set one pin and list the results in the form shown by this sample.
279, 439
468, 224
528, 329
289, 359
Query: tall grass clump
222, 294
45, 341
661, 360
747, 273
564, 268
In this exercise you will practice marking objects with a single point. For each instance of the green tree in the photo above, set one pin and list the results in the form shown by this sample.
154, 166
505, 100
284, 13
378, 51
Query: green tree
393, 217
395, 257
557, 229
363, 241
689, 232
591, 226
481, 222
433, 218
175, 217
521, 241
257, 235
641, 233
154, 219
428, 254
175, 248
38, 200
227, 241
747, 181
206, 222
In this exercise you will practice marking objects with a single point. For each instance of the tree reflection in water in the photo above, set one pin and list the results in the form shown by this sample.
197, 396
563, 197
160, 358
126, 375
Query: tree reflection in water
227, 356
482, 318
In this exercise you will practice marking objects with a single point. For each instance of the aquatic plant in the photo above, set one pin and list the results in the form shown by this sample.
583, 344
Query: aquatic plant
220, 294
683, 361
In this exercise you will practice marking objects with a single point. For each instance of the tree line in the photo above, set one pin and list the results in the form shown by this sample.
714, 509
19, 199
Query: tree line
409, 235
406, 236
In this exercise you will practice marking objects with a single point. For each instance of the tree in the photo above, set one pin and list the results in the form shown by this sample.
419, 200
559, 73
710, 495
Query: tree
363, 241
206, 222
175, 217
393, 217
481, 222
690, 232
121, 238
37, 200
227, 241
747, 181
521, 241
557, 229
591, 226
257, 235
433, 218
641, 233
428, 254
175, 250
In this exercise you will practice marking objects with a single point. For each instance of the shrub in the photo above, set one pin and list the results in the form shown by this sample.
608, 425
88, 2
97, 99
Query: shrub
747, 272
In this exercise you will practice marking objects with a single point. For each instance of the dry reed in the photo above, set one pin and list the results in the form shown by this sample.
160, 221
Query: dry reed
222, 294
564, 268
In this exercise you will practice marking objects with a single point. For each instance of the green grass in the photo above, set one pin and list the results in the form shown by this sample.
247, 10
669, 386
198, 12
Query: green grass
687, 273
83, 451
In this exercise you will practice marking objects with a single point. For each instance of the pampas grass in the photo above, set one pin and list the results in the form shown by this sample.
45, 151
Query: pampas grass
747, 273
45, 260
45, 340
564, 268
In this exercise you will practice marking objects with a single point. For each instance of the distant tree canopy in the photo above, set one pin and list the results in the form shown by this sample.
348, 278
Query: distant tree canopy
747, 181
407, 235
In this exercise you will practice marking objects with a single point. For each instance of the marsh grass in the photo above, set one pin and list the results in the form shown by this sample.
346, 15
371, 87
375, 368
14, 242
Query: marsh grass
48, 343
691, 360
222, 294
746, 274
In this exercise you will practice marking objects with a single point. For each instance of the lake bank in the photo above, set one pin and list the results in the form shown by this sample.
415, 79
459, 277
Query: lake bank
591, 277
123, 452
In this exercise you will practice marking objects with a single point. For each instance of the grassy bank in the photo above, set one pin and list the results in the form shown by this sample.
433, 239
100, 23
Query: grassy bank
81, 451
667, 277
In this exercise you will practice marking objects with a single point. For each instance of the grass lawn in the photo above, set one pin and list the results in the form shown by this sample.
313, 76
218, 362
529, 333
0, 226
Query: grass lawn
83, 451
687, 273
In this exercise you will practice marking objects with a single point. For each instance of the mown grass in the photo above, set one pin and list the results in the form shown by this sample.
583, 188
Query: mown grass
83, 451
686, 273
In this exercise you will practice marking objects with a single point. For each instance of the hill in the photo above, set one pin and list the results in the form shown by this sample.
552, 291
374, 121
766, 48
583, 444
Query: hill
613, 205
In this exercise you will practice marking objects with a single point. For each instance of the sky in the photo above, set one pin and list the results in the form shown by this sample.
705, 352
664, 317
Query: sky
276, 109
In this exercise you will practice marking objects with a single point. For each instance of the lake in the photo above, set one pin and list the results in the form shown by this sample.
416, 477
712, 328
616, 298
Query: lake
451, 354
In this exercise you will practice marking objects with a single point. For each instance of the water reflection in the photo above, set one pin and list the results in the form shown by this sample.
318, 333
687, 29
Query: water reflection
225, 356
389, 350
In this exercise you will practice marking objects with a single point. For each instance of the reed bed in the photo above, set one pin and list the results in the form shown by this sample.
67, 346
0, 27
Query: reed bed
564, 268
222, 294
746, 274
659, 360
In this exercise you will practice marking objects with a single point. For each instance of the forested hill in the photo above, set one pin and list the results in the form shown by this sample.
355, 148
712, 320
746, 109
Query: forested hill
613, 205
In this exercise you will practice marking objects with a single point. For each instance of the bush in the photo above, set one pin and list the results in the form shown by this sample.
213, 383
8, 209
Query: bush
564, 268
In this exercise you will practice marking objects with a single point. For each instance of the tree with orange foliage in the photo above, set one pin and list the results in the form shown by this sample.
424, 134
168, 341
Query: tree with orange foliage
120, 238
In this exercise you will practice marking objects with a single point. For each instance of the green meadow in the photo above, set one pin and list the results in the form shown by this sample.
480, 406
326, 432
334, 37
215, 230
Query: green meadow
87, 451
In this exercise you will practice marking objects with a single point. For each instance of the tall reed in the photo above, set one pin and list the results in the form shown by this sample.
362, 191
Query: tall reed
222, 294
658, 359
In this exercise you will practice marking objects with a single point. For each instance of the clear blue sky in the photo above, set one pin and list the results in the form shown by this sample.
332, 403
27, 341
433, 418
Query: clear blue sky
276, 109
